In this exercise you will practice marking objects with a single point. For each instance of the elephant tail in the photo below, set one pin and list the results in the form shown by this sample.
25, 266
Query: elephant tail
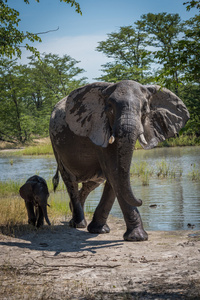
55, 180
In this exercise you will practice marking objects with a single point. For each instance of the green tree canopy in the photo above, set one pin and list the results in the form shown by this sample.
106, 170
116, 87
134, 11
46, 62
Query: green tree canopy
12, 40
128, 49
29, 93
158, 48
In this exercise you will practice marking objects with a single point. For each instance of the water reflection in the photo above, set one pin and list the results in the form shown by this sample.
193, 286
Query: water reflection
176, 201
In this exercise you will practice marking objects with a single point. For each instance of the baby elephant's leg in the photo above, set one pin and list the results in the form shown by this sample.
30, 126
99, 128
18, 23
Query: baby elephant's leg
31, 213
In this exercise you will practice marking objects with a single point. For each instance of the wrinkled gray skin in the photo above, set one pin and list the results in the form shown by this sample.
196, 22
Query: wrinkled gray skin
93, 132
35, 194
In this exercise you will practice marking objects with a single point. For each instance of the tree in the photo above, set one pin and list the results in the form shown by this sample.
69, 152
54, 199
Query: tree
163, 32
192, 4
128, 50
29, 93
14, 124
189, 49
11, 39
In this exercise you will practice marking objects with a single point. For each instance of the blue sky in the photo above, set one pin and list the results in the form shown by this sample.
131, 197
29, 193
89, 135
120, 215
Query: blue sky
78, 36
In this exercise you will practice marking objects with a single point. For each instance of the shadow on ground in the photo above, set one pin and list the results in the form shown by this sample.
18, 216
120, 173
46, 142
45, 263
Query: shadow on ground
58, 238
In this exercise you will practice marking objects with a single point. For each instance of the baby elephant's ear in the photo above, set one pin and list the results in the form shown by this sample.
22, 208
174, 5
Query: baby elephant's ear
26, 191
85, 113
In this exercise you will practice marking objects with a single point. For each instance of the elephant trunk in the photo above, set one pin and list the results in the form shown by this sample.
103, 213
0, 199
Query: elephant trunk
127, 134
44, 210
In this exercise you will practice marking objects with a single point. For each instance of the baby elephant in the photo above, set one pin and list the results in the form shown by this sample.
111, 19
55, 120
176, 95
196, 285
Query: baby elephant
35, 193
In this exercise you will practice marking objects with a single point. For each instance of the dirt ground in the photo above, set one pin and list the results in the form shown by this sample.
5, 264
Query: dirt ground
60, 262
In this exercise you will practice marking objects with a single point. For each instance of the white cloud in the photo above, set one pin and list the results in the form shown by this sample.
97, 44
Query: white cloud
81, 48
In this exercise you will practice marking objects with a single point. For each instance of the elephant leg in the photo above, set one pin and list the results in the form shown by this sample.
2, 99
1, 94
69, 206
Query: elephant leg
98, 224
78, 218
31, 213
87, 187
39, 217
135, 230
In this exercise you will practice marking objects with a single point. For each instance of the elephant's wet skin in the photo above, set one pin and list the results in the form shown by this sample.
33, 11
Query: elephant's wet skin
93, 133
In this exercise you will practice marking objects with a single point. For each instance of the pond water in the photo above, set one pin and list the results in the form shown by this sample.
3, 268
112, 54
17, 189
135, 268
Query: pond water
170, 203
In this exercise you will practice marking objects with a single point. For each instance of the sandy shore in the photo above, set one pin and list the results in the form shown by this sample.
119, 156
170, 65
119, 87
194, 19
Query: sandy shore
60, 262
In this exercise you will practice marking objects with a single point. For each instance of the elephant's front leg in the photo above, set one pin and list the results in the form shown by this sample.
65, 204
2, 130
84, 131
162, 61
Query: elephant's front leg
135, 230
31, 213
98, 224
39, 216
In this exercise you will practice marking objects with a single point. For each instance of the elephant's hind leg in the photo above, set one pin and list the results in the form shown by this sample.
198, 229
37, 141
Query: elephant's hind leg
87, 187
78, 218
98, 224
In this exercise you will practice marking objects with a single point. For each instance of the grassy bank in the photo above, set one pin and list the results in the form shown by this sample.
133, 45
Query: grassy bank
13, 213
43, 146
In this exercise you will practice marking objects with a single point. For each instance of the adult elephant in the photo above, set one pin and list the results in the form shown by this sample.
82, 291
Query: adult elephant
93, 132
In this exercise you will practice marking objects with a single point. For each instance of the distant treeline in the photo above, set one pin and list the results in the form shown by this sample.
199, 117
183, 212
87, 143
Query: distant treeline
157, 49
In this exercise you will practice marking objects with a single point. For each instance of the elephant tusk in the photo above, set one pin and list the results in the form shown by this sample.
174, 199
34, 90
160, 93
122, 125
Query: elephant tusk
111, 139
142, 139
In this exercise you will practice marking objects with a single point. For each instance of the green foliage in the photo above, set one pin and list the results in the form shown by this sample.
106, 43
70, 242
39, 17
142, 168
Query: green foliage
29, 93
12, 40
182, 140
128, 49
192, 4
172, 59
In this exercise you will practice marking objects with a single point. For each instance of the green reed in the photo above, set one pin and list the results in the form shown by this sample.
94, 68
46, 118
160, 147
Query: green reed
143, 170
194, 174
161, 170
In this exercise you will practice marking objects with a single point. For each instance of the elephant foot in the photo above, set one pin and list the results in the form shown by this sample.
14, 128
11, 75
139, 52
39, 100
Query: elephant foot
40, 224
95, 227
32, 222
82, 224
136, 235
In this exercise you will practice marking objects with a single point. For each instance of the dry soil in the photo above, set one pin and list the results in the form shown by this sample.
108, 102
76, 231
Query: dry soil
60, 262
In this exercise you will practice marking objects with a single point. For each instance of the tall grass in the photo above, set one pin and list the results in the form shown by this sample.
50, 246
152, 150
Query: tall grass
10, 187
194, 174
162, 170
12, 211
43, 149
143, 170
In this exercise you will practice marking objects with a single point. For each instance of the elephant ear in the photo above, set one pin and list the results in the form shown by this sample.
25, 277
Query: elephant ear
167, 116
85, 113
26, 191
